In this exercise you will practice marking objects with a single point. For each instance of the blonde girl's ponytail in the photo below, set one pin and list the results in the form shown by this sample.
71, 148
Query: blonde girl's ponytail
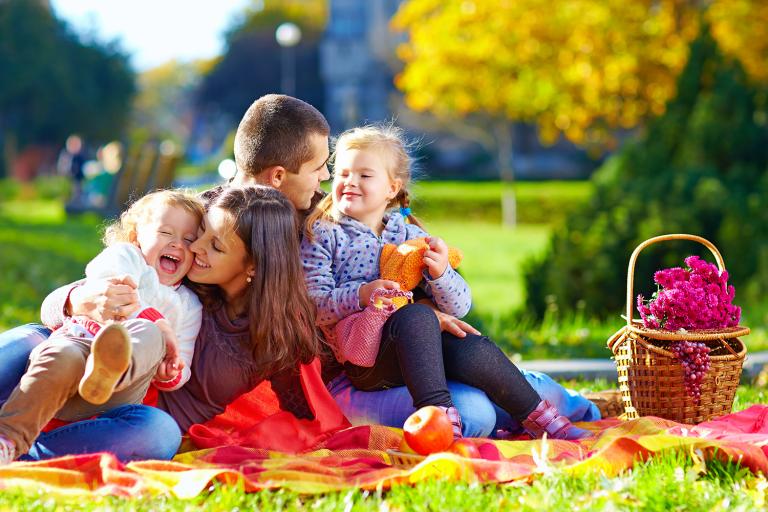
403, 197
323, 211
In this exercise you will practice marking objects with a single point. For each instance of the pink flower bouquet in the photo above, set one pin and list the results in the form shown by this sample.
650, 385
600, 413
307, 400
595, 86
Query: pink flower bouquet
694, 298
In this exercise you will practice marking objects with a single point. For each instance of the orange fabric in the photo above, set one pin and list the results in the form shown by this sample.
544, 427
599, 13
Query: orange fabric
357, 457
256, 421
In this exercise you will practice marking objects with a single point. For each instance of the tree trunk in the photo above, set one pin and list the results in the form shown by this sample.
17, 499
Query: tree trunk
10, 151
503, 133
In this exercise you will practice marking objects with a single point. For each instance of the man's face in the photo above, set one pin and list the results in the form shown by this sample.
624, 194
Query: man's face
301, 187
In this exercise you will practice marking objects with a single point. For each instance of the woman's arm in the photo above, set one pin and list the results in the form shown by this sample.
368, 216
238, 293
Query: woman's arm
99, 299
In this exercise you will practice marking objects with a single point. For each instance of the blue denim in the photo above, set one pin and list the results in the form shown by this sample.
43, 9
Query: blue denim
131, 432
479, 415
567, 401
15, 346
391, 407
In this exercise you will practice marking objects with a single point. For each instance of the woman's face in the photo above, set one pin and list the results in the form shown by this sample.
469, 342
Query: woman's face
220, 255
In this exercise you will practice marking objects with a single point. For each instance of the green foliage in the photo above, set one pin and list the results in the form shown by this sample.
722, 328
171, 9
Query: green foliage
55, 84
700, 168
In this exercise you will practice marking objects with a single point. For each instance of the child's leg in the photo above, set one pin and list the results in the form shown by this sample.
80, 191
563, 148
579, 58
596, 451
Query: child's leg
477, 361
148, 350
109, 359
15, 346
54, 369
410, 353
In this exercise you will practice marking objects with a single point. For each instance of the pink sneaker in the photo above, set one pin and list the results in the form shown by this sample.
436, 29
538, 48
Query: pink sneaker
455, 417
545, 419
7, 451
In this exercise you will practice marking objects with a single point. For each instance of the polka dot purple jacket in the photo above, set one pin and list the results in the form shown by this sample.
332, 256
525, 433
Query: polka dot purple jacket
345, 255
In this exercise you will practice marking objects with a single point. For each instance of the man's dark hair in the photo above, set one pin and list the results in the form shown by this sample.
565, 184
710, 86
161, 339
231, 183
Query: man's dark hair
275, 131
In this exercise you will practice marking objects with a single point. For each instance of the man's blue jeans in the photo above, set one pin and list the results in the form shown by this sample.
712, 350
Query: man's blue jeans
480, 417
131, 432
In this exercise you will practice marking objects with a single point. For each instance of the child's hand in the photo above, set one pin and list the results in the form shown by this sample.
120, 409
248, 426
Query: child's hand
172, 364
168, 369
366, 290
436, 257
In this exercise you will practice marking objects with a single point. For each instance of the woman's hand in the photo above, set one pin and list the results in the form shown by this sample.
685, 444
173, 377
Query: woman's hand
101, 300
436, 257
366, 290
449, 323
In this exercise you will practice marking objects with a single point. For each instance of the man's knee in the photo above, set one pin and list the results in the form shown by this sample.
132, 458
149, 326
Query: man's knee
478, 416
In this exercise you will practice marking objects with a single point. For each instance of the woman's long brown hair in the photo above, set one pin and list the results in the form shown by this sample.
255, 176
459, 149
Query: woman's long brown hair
280, 312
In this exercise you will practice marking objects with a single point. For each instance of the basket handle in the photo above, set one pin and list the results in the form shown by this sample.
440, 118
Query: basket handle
632, 259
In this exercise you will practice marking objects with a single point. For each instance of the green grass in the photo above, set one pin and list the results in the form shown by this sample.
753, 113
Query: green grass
493, 256
538, 202
41, 250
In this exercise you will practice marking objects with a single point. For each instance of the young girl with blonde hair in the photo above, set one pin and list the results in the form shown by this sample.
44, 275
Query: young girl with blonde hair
86, 368
341, 254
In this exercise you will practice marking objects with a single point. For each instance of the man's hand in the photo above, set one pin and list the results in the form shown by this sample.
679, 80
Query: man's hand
101, 300
436, 257
366, 290
449, 323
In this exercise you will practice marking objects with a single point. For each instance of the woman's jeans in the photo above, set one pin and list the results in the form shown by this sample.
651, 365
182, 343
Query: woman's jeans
131, 432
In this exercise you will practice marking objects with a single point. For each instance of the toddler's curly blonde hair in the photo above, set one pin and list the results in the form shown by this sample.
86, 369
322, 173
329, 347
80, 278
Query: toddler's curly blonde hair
125, 228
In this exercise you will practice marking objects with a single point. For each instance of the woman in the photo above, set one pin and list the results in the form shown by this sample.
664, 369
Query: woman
242, 276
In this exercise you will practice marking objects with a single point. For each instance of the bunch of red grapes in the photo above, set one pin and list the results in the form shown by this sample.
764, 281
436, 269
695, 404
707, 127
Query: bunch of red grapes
694, 358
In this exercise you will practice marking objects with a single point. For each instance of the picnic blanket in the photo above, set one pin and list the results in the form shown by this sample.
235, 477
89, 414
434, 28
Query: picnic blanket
357, 457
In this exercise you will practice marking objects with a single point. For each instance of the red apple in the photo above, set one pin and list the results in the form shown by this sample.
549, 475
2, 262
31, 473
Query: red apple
465, 448
428, 430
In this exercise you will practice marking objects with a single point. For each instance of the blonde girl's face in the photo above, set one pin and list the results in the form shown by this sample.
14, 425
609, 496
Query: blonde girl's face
164, 240
220, 256
362, 187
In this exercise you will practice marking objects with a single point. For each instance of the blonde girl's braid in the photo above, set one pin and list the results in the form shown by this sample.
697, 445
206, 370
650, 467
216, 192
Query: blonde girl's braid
403, 197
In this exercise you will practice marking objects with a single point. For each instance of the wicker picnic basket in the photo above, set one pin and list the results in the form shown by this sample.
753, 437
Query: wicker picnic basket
651, 378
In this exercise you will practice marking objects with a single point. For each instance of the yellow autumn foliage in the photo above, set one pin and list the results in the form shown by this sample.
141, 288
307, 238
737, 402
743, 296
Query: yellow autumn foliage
575, 67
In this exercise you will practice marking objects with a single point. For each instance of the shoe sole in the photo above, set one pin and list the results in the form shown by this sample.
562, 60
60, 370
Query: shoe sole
109, 359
